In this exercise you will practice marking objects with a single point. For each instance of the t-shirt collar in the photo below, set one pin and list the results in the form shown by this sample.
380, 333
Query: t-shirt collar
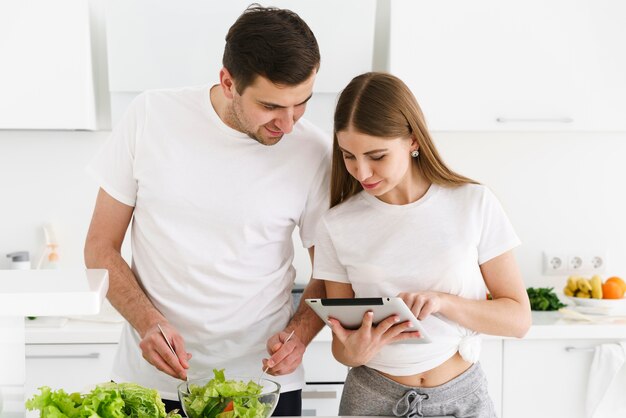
379, 204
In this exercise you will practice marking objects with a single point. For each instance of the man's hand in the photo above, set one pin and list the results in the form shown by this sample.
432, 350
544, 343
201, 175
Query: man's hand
285, 356
156, 351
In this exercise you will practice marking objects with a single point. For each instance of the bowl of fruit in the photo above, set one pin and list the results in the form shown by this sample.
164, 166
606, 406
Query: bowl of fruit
237, 396
594, 292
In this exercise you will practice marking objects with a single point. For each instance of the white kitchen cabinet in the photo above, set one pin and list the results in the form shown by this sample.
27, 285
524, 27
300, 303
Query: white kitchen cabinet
46, 75
71, 367
321, 400
508, 65
324, 378
177, 43
491, 363
320, 366
546, 378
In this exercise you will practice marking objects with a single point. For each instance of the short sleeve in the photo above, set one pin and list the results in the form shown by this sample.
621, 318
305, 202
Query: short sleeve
497, 235
326, 265
317, 203
113, 167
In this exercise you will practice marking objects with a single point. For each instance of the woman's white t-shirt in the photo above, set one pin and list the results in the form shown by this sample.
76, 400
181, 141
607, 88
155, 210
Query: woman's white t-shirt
214, 213
434, 244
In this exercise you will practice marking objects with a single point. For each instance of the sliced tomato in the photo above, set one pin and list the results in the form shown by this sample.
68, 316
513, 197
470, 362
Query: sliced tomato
229, 407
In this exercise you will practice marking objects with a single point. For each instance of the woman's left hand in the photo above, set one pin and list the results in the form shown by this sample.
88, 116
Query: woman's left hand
422, 304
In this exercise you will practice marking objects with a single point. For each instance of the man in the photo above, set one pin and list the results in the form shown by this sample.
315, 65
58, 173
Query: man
215, 180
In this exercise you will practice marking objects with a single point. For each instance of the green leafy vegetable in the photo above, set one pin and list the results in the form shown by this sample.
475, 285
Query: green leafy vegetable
543, 299
221, 398
57, 404
107, 400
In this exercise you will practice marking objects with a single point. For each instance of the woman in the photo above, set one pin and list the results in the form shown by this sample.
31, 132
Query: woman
403, 224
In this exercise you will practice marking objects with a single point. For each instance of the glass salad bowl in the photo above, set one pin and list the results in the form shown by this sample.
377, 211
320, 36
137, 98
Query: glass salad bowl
237, 396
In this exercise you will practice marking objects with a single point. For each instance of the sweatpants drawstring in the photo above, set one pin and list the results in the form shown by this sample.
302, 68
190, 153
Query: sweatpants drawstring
411, 403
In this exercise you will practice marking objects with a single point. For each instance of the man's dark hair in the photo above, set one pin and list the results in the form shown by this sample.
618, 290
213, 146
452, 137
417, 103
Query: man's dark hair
274, 43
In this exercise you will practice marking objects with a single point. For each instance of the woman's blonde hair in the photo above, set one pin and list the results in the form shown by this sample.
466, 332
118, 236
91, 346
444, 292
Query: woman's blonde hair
381, 105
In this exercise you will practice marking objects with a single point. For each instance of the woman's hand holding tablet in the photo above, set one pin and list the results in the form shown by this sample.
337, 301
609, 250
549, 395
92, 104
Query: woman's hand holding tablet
390, 320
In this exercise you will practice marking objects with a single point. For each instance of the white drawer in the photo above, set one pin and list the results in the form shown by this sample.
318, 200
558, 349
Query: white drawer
321, 400
71, 367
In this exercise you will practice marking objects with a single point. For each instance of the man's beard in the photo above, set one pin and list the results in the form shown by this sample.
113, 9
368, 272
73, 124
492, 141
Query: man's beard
236, 119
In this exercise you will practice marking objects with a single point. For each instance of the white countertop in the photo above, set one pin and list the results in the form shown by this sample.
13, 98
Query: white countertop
103, 328
546, 325
75, 332
552, 325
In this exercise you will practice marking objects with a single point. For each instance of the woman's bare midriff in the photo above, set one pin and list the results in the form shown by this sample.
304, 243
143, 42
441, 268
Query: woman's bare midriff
441, 374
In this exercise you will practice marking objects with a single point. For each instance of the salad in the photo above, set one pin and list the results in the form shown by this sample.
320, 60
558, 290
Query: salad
106, 400
221, 398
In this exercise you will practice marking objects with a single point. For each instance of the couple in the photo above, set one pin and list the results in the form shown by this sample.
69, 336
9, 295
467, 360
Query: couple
215, 179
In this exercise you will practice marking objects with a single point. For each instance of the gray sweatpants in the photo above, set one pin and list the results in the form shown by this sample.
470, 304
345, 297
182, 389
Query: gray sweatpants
367, 392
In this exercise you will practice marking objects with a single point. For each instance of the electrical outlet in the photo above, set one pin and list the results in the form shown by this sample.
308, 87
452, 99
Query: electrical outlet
598, 262
574, 262
594, 262
554, 264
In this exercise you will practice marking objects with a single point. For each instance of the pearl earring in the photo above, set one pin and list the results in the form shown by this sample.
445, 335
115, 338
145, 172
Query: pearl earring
415, 153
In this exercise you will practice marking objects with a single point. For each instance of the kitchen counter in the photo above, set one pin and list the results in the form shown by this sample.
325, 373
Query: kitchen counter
106, 330
103, 328
552, 325
75, 331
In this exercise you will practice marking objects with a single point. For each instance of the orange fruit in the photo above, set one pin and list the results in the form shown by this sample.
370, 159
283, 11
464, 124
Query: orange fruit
619, 281
612, 290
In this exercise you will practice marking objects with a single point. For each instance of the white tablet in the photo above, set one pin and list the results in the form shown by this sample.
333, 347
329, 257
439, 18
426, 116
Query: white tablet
350, 313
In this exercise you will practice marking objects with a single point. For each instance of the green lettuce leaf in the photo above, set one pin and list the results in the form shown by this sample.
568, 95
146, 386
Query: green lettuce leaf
104, 402
107, 400
58, 404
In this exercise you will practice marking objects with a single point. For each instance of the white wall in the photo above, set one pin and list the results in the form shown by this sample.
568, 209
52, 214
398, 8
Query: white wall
43, 181
562, 191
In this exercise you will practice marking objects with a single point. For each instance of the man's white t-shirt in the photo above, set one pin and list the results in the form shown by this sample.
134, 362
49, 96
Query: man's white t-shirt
214, 212
434, 244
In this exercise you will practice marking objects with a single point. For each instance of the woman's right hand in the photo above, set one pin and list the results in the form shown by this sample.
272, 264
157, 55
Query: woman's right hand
364, 343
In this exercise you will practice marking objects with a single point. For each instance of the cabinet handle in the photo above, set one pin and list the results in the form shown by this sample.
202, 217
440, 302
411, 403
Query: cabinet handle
535, 120
328, 394
579, 349
61, 356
